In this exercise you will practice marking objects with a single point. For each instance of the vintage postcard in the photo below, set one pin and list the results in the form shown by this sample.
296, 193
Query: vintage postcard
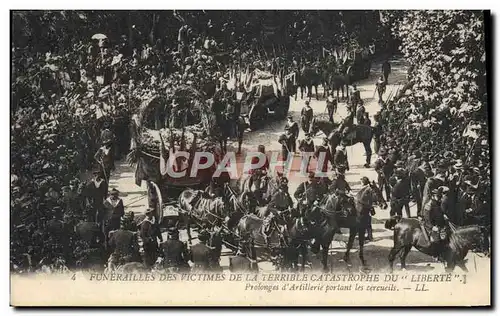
250, 158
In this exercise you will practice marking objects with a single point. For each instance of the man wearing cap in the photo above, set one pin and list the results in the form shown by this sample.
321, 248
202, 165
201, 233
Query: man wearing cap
107, 136
265, 167
174, 252
124, 245
241, 262
95, 192
331, 105
384, 168
113, 211
306, 146
307, 189
306, 116
201, 254
323, 151
434, 217
340, 158
377, 131
149, 233
400, 193
292, 132
433, 183
355, 98
340, 183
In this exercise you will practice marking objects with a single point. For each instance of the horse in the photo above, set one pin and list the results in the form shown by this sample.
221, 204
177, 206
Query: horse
341, 79
308, 77
358, 134
250, 230
209, 212
326, 218
408, 233
364, 201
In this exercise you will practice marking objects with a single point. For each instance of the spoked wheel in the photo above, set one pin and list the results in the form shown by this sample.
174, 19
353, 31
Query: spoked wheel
154, 190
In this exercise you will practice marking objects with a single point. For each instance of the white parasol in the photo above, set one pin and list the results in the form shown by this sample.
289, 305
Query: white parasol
99, 36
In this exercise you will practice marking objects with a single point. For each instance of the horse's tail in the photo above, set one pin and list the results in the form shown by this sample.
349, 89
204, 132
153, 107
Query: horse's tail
391, 222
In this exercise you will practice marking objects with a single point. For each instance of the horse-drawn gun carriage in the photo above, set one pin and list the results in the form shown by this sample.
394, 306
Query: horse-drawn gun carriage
156, 138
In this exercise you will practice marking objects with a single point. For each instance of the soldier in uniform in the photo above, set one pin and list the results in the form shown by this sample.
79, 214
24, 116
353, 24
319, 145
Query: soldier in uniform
399, 194
124, 245
113, 211
283, 140
307, 193
434, 182
365, 182
355, 98
265, 167
331, 105
434, 218
340, 158
360, 114
306, 145
324, 150
149, 233
174, 252
384, 168
306, 116
292, 129
380, 86
366, 120
377, 131
340, 183
201, 254
107, 136
96, 191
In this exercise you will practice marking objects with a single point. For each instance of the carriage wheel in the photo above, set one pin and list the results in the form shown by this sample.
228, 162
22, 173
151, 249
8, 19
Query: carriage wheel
159, 201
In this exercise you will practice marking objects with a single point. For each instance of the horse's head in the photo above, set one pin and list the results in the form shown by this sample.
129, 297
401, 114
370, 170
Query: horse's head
377, 195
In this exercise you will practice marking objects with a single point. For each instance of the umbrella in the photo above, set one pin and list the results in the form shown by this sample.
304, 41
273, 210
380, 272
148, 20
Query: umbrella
99, 36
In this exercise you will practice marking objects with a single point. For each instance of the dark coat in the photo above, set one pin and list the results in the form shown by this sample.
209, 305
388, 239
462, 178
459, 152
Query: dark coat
340, 159
306, 146
305, 187
240, 263
293, 128
124, 243
328, 156
175, 254
340, 184
433, 214
201, 256
384, 166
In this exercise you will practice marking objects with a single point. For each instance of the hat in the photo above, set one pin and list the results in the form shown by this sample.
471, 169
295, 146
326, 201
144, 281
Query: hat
290, 116
365, 180
307, 102
150, 210
114, 192
203, 235
311, 175
382, 151
97, 172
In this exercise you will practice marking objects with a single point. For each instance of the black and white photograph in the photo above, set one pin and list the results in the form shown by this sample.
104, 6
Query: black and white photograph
250, 157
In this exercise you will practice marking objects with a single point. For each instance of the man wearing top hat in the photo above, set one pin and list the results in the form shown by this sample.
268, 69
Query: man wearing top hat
174, 252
